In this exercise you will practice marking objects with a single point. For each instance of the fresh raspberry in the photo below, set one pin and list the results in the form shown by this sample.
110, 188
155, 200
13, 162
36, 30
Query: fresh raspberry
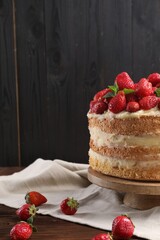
123, 80
132, 107
143, 88
148, 102
122, 228
117, 103
98, 107
154, 78
99, 95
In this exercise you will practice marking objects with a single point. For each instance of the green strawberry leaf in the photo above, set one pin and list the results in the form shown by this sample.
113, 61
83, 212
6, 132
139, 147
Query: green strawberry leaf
157, 92
128, 90
114, 88
30, 220
109, 94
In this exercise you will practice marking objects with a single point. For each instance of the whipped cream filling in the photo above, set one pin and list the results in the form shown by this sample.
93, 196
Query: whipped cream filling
122, 163
124, 114
101, 138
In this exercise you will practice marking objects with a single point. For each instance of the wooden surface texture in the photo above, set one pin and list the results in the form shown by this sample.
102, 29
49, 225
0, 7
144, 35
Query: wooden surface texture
55, 55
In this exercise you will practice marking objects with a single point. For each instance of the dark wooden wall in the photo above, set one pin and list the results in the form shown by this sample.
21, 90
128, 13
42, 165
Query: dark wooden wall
54, 56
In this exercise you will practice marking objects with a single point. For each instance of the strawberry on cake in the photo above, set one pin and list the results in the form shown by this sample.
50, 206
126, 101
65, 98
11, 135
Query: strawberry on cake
124, 126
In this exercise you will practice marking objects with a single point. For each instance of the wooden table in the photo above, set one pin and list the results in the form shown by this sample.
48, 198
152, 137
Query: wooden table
49, 228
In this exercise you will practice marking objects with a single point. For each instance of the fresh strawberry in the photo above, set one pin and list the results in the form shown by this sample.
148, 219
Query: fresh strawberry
154, 78
35, 198
69, 206
148, 102
123, 80
102, 236
98, 107
117, 103
122, 228
143, 88
132, 107
131, 97
21, 231
99, 95
26, 212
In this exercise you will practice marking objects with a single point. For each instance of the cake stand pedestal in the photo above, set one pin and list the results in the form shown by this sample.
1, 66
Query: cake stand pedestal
138, 194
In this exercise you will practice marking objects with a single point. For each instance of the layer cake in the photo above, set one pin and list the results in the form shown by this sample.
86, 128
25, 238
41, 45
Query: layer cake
124, 126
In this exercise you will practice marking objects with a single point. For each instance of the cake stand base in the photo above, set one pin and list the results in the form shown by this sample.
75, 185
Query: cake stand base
138, 194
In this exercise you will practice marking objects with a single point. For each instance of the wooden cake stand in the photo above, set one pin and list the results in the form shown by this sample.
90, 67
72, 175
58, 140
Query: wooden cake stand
138, 194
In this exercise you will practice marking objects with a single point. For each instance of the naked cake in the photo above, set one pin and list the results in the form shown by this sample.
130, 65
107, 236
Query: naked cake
124, 126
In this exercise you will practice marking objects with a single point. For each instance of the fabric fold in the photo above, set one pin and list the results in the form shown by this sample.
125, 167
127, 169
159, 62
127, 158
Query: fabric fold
58, 179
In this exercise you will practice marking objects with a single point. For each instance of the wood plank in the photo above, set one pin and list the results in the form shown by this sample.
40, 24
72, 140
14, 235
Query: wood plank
67, 66
8, 105
88, 43
32, 79
146, 46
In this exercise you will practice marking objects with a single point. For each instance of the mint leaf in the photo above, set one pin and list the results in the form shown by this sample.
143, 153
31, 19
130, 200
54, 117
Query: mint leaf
128, 90
157, 91
109, 94
114, 88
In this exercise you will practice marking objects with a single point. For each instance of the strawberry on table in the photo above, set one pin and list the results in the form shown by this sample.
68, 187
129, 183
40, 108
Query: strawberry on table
21, 231
102, 236
122, 228
26, 212
35, 198
69, 206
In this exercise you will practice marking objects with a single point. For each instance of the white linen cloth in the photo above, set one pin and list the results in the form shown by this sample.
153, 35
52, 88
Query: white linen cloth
57, 179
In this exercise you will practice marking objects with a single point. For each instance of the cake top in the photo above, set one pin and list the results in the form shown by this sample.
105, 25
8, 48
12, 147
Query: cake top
128, 97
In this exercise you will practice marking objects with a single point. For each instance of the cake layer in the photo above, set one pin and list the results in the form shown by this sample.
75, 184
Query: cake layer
101, 138
136, 173
144, 125
147, 153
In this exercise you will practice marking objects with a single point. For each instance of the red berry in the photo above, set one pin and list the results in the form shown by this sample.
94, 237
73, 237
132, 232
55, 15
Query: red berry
131, 97
102, 236
122, 228
35, 198
132, 107
99, 95
26, 211
69, 206
21, 231
98, 107
143, 88
148, 102
117, 103
154, 78
123, 80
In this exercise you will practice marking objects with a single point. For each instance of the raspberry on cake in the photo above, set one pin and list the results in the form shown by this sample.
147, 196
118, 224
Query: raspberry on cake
124, 126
